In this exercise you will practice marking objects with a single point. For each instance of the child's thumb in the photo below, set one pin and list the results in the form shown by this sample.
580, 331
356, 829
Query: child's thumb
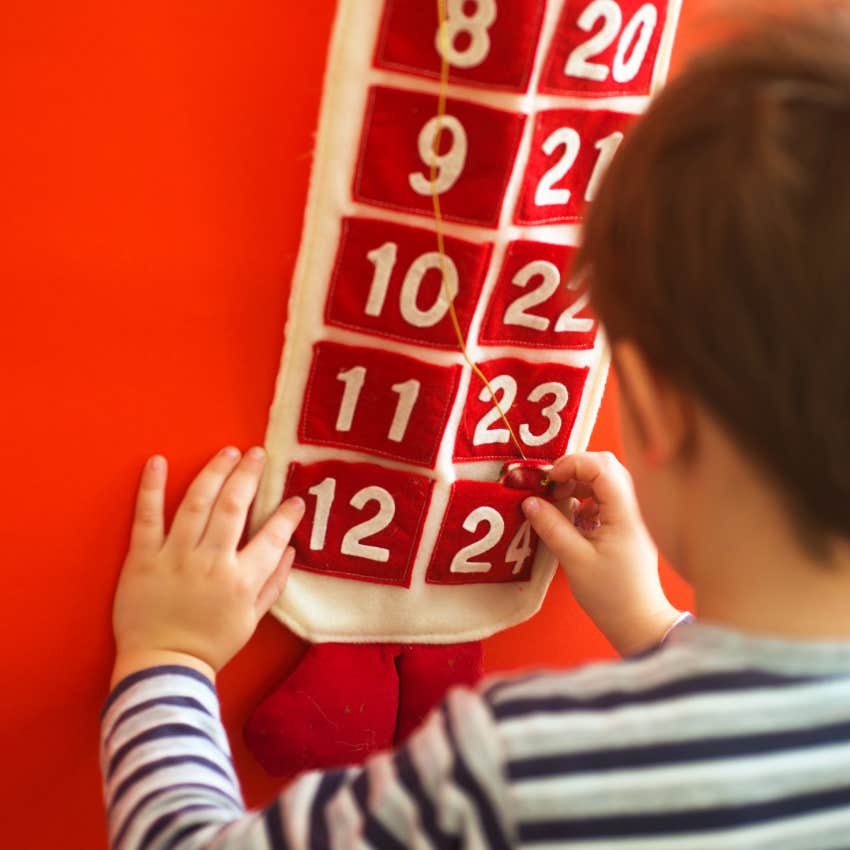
557, 531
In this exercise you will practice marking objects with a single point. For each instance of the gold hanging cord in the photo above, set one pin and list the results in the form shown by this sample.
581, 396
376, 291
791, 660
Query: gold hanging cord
438, 217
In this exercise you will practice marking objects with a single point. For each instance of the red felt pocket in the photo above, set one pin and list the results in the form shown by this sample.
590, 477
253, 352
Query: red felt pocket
485, 538
389, 280
487, 43
570, 150
477, 149
606, 47
536, 303
377, 401
363, 521
540, 401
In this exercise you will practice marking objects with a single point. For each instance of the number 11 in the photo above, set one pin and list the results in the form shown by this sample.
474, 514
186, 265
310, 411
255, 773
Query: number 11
354, 378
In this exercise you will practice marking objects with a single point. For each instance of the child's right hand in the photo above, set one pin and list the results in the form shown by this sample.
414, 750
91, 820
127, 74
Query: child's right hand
605, 549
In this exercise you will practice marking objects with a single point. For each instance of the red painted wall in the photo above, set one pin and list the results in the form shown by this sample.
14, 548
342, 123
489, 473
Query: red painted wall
154, 160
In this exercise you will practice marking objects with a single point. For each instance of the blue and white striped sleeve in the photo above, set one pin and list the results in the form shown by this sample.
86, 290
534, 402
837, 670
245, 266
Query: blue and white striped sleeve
169, 781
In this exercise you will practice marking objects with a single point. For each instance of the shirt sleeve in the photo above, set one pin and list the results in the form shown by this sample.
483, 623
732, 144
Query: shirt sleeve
169, 780
682, 620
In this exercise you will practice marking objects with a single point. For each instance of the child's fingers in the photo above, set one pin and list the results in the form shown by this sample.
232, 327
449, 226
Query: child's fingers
231, 507
563, 539
268, 545
571, 489
597, 475
194, 511
148, 523
275, 583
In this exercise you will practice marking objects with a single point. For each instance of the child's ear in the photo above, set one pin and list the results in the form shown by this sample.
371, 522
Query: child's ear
659, 412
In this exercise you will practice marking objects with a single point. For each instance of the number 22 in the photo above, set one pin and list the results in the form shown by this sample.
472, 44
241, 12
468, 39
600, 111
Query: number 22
517, 312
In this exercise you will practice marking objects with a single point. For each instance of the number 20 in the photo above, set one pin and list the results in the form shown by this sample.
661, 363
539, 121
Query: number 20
636, 35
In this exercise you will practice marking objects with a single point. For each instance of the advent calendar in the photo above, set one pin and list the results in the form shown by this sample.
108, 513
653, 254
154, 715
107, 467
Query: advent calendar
379, 422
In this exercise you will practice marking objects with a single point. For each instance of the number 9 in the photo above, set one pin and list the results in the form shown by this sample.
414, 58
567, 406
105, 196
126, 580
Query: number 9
448, 165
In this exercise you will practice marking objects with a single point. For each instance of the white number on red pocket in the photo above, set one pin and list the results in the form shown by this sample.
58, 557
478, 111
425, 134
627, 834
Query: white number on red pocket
384, 260
447, 166
352, 542
363, 521
377, 401
353, 379
484, 537
550, 279
571, 150
539, 400
532, 306
464, 39
632, 44
477, 148
389, 280
606, 47
505, 389
485, 42
569, 139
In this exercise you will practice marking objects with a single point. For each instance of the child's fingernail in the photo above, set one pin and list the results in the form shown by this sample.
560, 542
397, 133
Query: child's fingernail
156, 463
230, 452
298, 503
256, 453
531, 506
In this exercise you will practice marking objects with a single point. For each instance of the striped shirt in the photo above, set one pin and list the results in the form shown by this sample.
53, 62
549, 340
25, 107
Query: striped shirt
714, 740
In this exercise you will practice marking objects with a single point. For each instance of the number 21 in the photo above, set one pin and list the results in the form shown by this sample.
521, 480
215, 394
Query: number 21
569, 139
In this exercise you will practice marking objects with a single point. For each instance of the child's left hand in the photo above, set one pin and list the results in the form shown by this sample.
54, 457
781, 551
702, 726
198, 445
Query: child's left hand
189, 597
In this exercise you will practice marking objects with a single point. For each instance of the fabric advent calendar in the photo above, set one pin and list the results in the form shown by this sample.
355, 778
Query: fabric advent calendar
414, 546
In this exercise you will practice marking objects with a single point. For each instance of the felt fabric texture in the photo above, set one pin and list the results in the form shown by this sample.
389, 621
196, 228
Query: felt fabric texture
509, 48
414, 541
368, 374
541, 400
397, 502
479, 510
344, 701
536, 303
573, 141
370, 247
365, 399
391, 138
598, 40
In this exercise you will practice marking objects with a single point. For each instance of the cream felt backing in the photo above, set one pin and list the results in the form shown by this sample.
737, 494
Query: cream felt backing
327, 608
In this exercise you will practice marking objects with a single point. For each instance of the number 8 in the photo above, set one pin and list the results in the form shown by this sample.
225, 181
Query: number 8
476, 25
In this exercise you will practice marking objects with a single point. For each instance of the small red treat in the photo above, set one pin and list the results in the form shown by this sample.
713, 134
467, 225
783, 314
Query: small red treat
526, 475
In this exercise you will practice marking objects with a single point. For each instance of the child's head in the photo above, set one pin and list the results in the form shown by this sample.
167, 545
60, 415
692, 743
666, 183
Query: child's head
718, 250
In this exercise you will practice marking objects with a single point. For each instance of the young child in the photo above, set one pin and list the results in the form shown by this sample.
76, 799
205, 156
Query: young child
718, 252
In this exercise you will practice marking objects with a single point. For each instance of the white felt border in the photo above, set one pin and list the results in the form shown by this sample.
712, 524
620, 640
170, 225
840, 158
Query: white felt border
326, 608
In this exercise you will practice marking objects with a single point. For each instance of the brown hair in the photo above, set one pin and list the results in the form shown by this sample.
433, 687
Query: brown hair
719, 243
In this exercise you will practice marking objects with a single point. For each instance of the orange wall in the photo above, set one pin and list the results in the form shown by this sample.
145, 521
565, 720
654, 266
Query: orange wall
154, 163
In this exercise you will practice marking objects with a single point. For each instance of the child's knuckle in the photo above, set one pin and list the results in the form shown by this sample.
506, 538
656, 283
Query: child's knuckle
196, 505
230, 505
